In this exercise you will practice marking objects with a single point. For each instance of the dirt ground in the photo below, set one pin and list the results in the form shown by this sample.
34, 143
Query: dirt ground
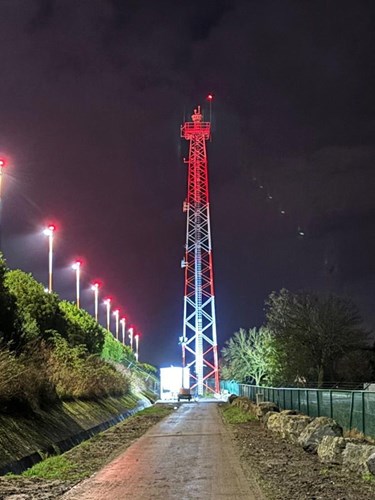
282, 470
89, 457
286, 472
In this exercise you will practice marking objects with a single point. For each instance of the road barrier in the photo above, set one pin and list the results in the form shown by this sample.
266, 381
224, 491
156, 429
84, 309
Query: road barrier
350, 409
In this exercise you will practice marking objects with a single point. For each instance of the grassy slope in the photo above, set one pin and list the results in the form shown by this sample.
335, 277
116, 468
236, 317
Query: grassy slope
21, 436
91, 455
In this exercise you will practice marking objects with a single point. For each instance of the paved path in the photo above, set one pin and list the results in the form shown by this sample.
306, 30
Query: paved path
187, 455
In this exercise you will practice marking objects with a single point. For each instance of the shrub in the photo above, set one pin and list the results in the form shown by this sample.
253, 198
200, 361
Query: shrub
79, 375
115, 351
23, 383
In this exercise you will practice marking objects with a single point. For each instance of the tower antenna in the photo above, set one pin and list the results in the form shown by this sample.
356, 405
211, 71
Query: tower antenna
199, 338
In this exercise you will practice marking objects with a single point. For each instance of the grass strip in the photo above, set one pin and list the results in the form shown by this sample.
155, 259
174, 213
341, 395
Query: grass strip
91, 455
234, 414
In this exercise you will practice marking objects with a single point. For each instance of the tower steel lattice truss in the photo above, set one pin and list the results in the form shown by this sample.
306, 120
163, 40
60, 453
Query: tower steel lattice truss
199, 339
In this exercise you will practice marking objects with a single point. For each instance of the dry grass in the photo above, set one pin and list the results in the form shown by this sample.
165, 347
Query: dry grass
356, 434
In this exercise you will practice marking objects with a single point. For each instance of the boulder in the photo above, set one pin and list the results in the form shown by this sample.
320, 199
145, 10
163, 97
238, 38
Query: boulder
263, 408
358, 457
274, 421
245, 404
288, 426
330, 449
267, 416
231, 398
370, 462
292, 426
290, 412
314, 432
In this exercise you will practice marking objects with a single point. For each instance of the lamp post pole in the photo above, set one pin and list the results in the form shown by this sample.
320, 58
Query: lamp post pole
95, 289
49, 231
107, 302
116, 314
2, 165
123, 329
131, 332
136, 338
77, 268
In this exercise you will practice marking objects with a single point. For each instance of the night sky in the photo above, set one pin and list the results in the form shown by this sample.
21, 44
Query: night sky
92, 95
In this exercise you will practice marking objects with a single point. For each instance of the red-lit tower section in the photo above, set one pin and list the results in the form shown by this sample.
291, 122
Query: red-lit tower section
199, 339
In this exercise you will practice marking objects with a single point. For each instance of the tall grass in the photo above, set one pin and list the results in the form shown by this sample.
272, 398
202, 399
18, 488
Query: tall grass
77, 375
55, 371
23, 382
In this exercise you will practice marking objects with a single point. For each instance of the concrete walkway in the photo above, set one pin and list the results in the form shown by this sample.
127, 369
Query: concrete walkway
187, 455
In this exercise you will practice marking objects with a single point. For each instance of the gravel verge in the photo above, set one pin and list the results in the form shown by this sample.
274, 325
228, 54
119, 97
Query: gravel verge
286, 472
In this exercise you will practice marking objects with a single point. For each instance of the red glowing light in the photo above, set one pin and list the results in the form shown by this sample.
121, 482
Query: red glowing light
210, 97
2, 163
52, 227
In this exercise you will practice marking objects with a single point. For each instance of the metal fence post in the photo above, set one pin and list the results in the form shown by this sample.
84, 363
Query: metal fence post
330, 404
363, 413
351, 411
317, 402
307, 402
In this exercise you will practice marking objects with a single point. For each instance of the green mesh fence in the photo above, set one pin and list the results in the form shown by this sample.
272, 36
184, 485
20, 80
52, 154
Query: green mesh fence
351, 409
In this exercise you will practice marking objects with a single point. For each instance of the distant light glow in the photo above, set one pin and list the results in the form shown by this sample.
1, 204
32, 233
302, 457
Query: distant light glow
95, 286
2, 163
76, 265
210, 97
48, 231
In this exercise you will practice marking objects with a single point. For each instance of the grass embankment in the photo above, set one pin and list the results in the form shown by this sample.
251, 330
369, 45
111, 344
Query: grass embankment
23, 435
234, 414
86, 458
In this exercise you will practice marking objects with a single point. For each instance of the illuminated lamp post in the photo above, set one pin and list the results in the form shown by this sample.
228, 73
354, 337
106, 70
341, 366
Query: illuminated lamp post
131, 334
49, 231
116, 314
123, 329
136, 338
95, 289
107, 303
77, 268
2, 165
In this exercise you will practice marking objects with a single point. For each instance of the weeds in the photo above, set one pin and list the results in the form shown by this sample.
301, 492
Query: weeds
83, 460
234, 415
55, 468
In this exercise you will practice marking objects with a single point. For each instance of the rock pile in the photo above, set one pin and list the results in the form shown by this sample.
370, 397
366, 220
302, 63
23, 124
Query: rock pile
321, 435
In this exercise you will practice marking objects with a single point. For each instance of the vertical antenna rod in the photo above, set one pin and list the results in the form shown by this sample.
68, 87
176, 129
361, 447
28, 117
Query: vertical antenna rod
199, 339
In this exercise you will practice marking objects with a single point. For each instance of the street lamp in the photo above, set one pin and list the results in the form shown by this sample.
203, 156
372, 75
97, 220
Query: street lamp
49, 231
2, 165
136, 338
77, 268
123, 330
131, 333
95, 289
107, 303
116, 314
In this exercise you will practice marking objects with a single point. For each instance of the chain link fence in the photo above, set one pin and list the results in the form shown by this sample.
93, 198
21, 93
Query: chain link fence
350, 409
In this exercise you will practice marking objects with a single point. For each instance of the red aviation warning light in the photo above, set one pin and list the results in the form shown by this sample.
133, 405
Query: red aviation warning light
199, 339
